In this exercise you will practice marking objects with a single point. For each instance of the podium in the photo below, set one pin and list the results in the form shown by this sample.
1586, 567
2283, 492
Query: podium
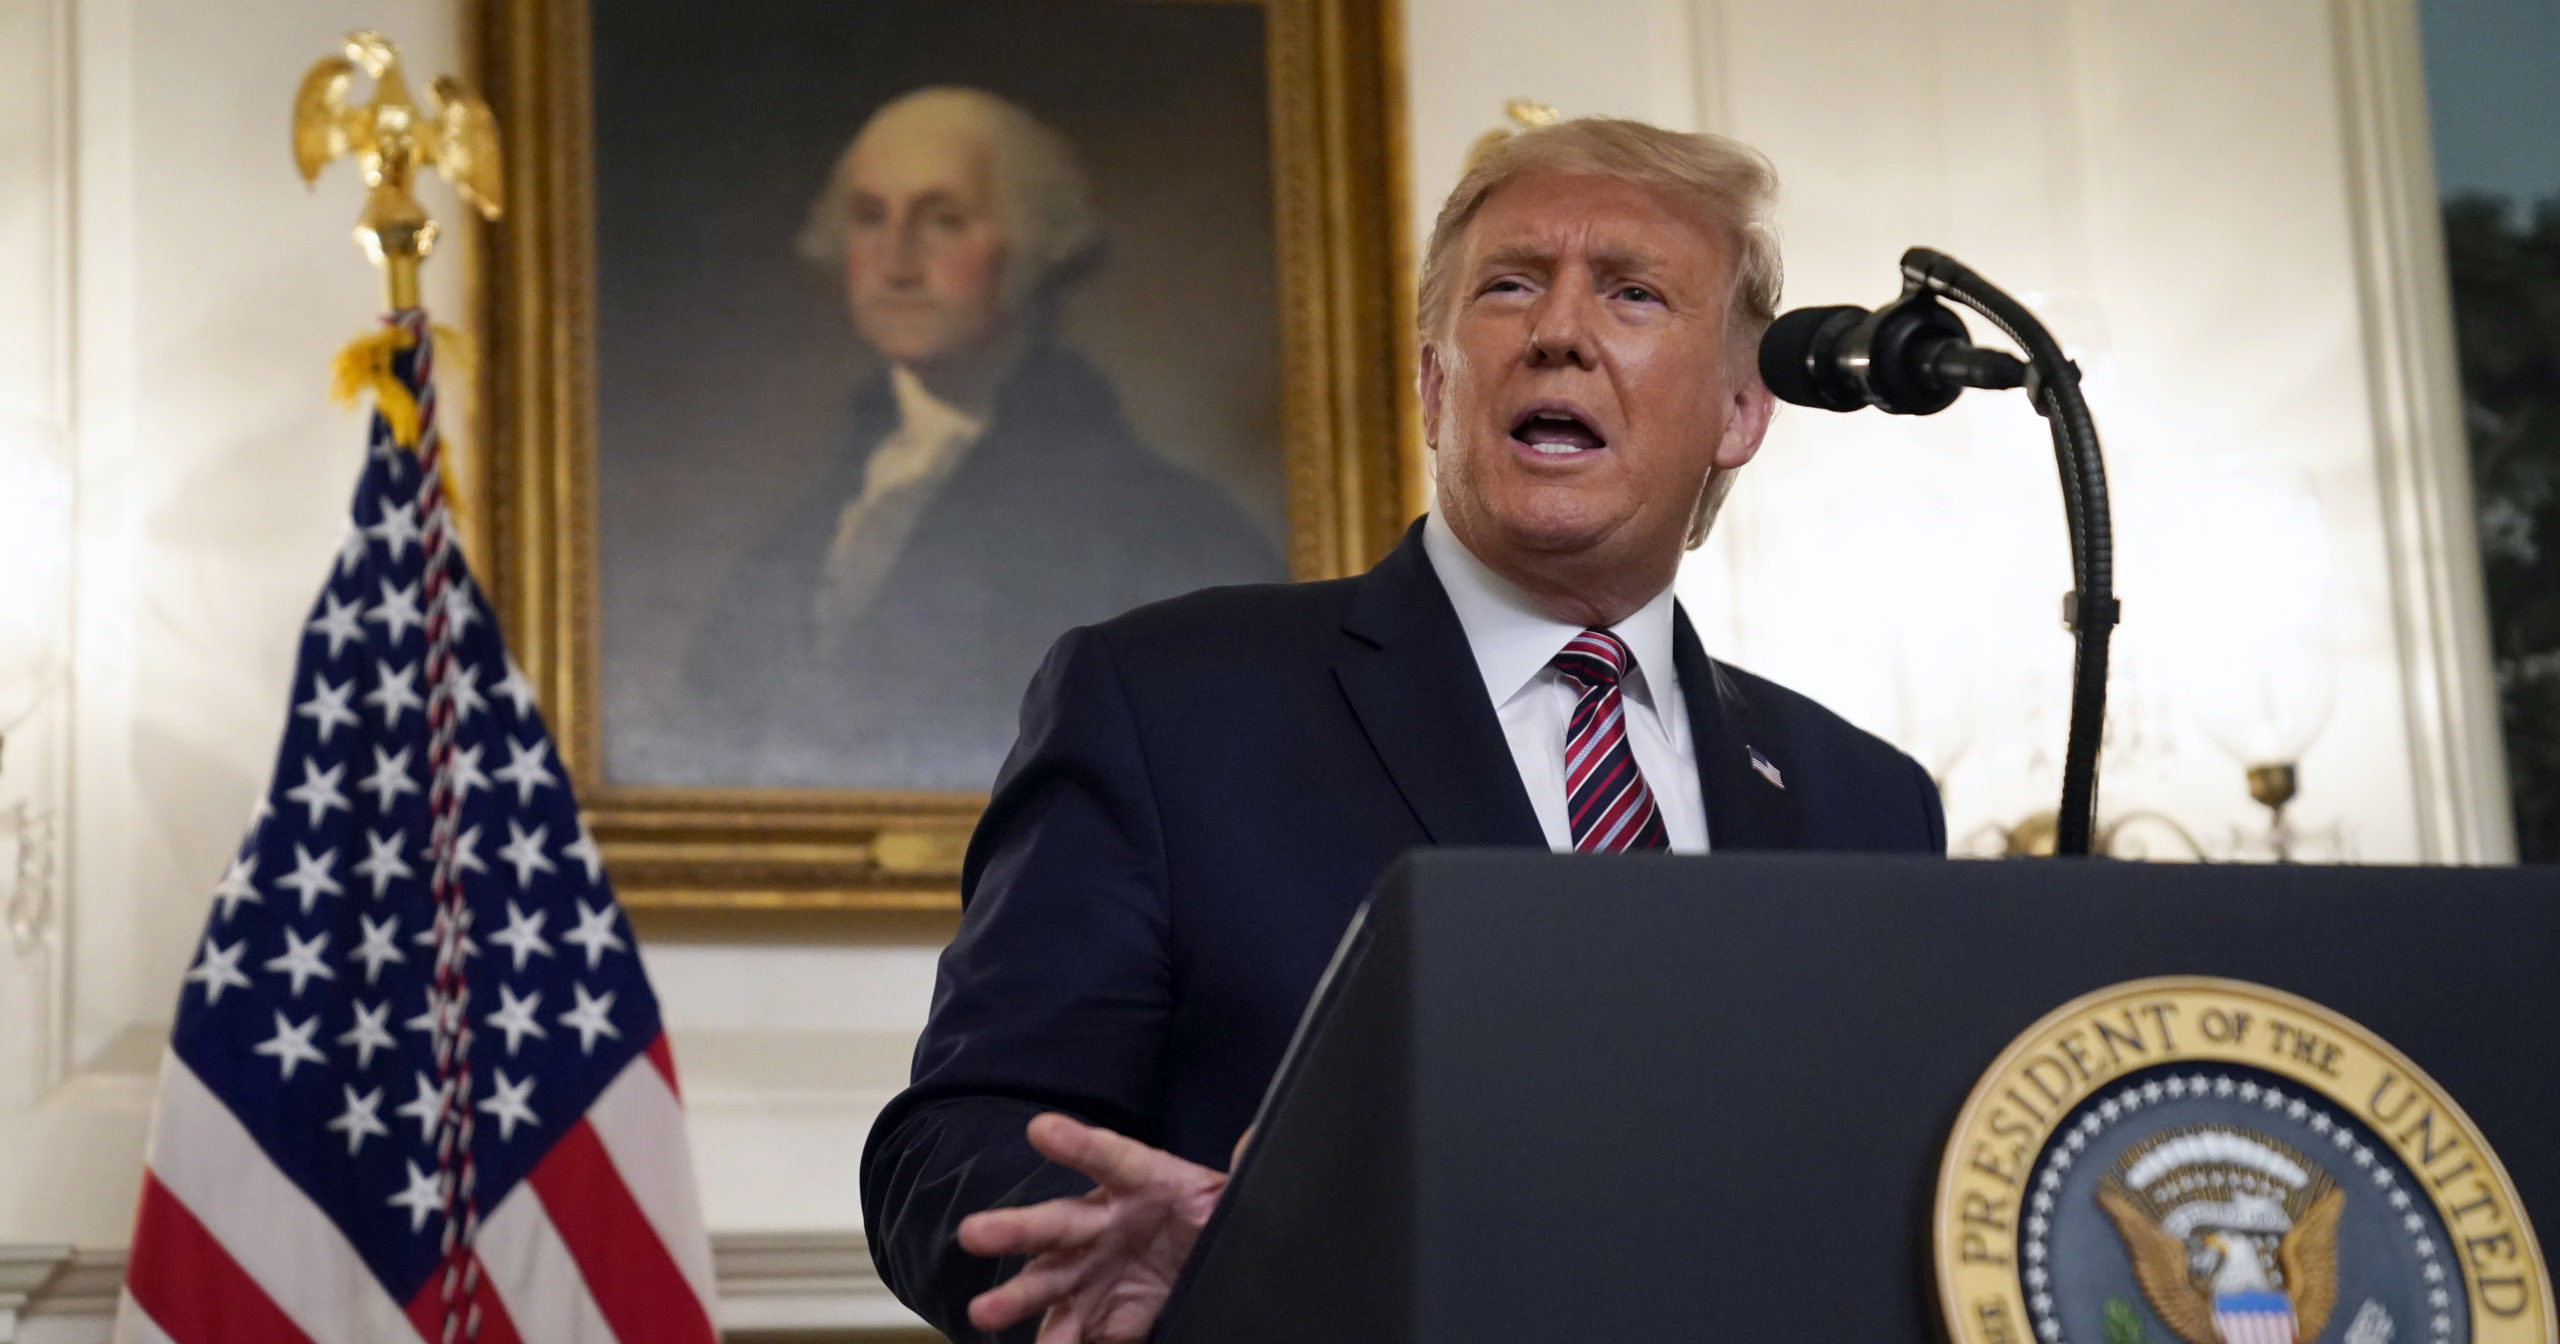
1563, 1098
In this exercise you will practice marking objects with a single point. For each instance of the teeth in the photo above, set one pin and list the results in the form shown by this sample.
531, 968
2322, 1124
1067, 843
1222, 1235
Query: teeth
1555, 449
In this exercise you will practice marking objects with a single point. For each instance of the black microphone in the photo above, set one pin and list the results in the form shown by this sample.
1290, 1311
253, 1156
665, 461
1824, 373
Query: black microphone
1910, 357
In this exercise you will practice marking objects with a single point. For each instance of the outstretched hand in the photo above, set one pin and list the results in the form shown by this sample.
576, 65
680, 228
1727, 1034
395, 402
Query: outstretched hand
1102, 1262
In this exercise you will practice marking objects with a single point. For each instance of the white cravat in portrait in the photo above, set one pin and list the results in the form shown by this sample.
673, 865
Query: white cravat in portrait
1513, 642
904, 474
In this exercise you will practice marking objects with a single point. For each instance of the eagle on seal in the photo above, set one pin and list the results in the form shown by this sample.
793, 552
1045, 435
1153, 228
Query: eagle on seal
2233, 1237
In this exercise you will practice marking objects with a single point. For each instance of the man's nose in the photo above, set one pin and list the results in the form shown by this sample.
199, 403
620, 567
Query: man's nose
905, 252
1560, 331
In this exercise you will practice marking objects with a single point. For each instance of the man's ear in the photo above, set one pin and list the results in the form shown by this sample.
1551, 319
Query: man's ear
1746, 421
1434, 378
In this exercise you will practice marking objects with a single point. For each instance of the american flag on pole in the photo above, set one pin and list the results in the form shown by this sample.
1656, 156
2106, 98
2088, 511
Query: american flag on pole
418, 1087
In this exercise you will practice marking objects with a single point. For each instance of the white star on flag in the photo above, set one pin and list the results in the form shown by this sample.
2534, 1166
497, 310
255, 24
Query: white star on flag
382, 862
429, 1017
507, 1102
517, 690
219, 969
390, 778
525, 770
376, 950
459, 608
371, 1032
423, 1199
350, 552
467, 774
466, 850
398, 691
523, 934
583, 849
467, 699
312, 878
398, 528
398, 610
426, 1107
525, 852
327, 707
432, 936
515, 1017
319, 790
591, 1018
303, 960
594, 933
340, 622
236, 887
292, 1045
358, 1121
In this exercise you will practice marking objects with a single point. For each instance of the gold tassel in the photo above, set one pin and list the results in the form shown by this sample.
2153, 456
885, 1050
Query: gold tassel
365, 365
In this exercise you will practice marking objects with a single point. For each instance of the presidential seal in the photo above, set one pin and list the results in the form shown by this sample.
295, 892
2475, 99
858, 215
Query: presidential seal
2197, 1161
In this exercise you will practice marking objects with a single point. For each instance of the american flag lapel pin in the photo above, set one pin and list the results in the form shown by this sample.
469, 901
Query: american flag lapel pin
1767, 771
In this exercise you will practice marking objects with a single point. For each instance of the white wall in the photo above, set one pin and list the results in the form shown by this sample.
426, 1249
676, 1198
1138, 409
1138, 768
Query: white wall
2164, 174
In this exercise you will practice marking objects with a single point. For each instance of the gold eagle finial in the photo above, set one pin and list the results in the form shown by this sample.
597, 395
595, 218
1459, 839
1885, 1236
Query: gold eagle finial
392, 137
1525, 113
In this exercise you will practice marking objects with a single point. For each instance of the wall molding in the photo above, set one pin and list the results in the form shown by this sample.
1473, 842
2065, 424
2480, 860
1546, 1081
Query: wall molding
769, 1283
2440, 613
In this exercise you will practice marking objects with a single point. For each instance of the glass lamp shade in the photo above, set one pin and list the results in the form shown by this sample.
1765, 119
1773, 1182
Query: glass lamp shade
2272, 699
35, 565
2265, 657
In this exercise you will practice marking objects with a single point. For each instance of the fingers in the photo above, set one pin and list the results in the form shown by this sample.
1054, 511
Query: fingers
1236, 1158
1063, 1325
1116, 1161
1034, 1228
1044, 1285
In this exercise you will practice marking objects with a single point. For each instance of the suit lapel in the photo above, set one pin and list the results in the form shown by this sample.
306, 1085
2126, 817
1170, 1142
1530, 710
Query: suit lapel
1412, 683
1746, 809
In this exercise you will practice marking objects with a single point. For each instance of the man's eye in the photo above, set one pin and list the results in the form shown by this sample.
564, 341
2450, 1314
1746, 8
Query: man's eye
947, 221
1637, 294
869, 214
1506, 287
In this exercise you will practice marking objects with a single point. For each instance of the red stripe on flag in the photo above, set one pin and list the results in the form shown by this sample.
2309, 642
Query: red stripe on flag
426, 1312
664, 1059
191, 1286
633, 1280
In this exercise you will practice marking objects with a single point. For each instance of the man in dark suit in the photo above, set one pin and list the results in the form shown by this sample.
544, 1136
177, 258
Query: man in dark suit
1205, 789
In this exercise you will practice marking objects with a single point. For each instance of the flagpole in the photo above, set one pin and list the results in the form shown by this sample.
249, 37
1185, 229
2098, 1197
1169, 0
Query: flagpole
391, 137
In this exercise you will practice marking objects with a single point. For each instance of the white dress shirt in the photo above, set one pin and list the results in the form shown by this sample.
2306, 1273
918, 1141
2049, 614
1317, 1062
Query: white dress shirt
1513, 642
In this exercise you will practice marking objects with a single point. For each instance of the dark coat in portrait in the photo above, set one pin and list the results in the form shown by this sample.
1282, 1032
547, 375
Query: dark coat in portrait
1057, 516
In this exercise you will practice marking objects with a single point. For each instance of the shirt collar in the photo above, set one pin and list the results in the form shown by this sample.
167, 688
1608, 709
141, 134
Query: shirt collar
1513, 639
929, 418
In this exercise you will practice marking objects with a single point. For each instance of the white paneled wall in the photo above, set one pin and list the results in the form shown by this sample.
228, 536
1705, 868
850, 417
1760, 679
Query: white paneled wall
2169, 179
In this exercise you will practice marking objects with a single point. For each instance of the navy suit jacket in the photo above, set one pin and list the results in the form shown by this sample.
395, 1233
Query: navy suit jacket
1203, 793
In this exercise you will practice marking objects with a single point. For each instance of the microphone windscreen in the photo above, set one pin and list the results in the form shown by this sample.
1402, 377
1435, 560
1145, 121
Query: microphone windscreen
1796, 357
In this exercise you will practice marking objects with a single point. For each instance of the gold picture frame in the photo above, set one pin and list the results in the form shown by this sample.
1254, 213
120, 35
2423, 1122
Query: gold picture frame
1353, 472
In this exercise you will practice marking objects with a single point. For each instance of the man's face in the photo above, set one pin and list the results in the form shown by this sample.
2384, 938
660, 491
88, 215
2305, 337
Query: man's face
924, 246
1581, 388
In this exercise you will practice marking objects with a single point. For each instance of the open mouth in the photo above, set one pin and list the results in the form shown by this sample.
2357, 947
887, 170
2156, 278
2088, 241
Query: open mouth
1556, 431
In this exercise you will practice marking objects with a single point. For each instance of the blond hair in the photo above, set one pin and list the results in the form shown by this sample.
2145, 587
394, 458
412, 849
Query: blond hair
1729, 183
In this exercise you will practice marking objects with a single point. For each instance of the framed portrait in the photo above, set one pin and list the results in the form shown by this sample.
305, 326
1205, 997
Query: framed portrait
843, 354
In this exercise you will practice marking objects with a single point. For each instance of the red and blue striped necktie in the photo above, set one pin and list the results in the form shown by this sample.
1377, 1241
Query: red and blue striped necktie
1605, 794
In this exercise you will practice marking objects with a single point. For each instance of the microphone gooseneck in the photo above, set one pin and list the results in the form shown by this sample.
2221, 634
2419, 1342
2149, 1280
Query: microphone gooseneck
1911, 357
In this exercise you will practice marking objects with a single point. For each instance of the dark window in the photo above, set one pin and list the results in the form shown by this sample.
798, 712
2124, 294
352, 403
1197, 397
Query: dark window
2495, 110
